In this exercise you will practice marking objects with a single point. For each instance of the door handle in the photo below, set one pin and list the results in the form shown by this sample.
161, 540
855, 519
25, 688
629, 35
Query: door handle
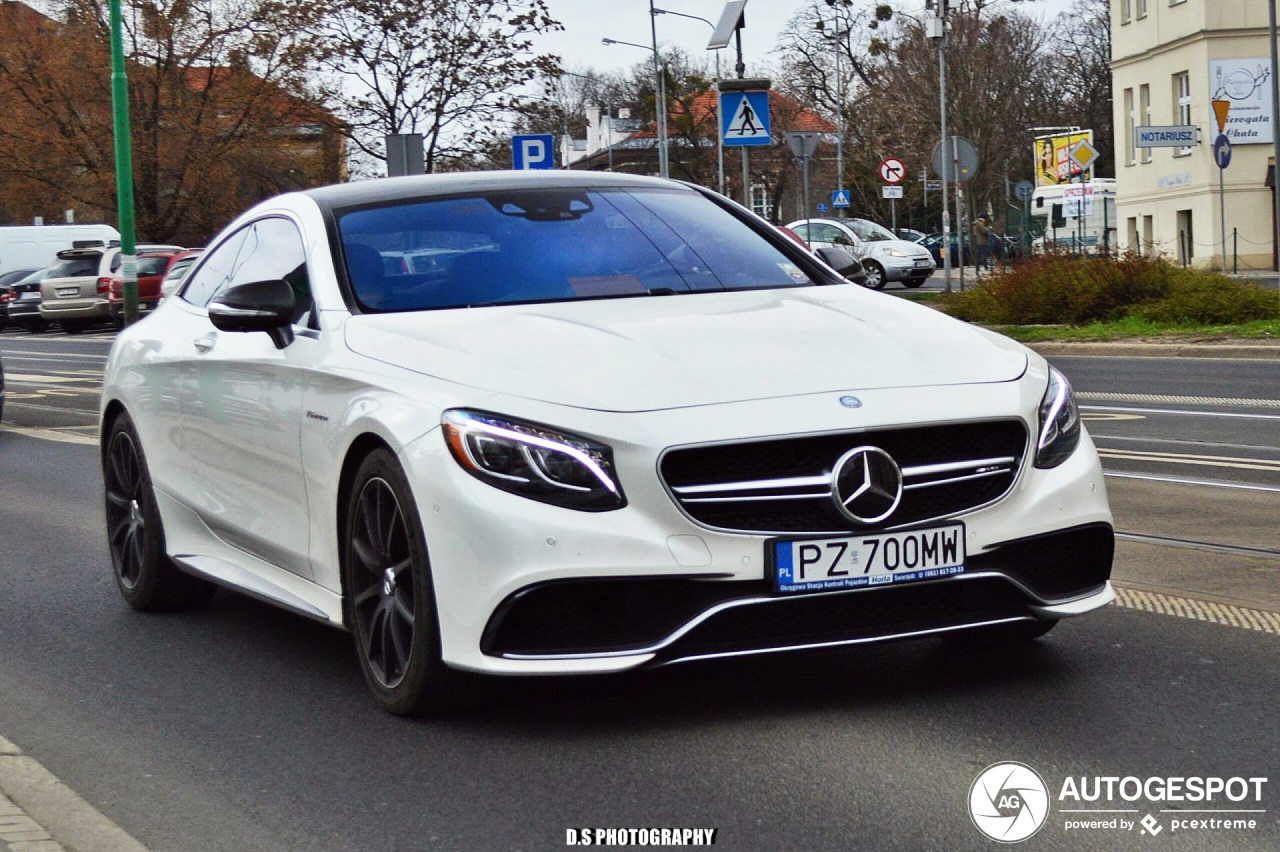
204, 344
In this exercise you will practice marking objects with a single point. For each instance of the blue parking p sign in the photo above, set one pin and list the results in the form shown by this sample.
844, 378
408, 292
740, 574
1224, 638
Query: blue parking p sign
535, 151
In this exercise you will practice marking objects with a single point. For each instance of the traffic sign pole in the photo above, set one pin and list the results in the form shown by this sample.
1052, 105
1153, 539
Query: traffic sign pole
1222, 156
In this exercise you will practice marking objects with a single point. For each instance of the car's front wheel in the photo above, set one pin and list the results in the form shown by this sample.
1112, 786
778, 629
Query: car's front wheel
875, 274
391, 605
913, 283
147, 578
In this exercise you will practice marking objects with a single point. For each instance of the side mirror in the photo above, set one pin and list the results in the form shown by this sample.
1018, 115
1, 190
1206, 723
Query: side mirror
839, 260
258, 306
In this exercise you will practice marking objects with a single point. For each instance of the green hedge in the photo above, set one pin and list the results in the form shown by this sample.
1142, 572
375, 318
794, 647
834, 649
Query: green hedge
1062, 289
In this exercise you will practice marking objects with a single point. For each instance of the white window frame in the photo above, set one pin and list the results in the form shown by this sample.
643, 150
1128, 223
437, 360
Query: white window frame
1182, 105
1141, 11
1126, 11
1130, 152
761, 204
1144, 112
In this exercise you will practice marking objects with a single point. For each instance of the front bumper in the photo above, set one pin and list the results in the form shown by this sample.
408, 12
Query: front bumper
528, 588
905, 269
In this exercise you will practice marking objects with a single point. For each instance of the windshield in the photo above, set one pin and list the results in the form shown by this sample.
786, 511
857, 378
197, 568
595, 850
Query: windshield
871, 232
559, 244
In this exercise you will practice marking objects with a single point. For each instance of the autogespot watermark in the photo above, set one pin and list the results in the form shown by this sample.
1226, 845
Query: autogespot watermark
1010, 802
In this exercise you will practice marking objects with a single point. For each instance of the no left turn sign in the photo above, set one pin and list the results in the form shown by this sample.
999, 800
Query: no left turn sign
892, 171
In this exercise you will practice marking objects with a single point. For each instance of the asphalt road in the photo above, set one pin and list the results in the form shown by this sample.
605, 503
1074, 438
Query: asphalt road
242, 727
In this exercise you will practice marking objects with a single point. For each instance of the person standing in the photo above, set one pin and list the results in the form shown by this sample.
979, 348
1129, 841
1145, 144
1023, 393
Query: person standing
981, 242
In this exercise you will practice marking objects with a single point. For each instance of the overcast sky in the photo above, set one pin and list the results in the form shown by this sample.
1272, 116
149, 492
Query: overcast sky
586, 22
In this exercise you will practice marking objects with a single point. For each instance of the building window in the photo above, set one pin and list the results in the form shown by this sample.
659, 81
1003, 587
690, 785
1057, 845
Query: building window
1148, 236
1126, 11
1182, 98
761, 204
1132, 233
1142, 9
1144, 112
1129, 133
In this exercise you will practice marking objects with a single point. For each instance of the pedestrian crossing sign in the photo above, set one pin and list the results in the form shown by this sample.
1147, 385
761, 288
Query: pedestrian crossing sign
840, 198
744, 119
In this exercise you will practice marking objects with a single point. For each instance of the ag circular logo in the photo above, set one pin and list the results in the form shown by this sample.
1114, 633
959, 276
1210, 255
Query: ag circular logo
866, 485
1008, 802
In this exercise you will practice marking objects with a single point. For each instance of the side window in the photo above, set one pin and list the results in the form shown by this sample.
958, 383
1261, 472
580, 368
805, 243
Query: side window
218, 267
273, 250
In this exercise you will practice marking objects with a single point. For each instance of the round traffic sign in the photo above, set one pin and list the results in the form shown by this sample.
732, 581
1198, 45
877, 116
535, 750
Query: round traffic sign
961, 159
1222, 151
892, 171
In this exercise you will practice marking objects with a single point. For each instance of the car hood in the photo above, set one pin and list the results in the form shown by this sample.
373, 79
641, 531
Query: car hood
645, 354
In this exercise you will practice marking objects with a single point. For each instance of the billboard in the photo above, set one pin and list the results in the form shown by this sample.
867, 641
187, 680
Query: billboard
1246, 84
1053, 157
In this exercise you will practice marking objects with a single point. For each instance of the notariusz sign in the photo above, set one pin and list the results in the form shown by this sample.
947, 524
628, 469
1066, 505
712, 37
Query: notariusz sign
1173, 136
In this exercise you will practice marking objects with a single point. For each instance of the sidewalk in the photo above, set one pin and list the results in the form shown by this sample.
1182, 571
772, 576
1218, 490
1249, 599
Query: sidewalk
38, 813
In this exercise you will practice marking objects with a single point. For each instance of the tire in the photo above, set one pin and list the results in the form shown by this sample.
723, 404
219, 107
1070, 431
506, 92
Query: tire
72, 327
389, 598
913, 283
1013, 633
35, 326
145, 575
875, 275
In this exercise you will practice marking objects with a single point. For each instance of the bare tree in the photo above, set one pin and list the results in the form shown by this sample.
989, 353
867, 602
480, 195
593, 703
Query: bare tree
445, 69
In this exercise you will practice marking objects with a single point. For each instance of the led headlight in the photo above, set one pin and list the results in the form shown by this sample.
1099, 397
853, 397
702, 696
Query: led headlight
534, 461
893, 252
1059, 422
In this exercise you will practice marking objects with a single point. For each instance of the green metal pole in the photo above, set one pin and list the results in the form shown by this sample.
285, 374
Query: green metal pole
124, 166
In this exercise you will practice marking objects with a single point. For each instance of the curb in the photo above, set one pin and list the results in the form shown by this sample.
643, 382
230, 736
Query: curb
1264, 351
38, 813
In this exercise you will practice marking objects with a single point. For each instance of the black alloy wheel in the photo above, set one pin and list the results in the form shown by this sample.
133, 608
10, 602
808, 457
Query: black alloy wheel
391, 605
147, 578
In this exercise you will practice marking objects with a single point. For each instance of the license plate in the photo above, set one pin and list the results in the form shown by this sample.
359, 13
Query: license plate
29, 296
68, 292
920, 264
852, 562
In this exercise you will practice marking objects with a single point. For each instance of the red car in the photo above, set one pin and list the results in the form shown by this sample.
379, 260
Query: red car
152, 267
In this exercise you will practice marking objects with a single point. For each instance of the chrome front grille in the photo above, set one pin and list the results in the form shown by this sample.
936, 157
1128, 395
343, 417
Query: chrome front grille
783, 485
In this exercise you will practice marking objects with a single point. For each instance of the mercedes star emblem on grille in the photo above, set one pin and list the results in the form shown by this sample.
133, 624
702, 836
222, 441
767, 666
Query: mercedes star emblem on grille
850, 402
866, 485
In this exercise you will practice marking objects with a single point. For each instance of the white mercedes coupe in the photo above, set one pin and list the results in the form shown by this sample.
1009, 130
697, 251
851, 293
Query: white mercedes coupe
564, 423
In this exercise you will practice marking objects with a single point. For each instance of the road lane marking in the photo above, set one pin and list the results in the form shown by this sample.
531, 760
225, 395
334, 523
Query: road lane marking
53, 434
1108, 416
1246, 618
1179, 480
1233, 549
37, 379
1182, 412
1188, 459
1186, 443
1101, 396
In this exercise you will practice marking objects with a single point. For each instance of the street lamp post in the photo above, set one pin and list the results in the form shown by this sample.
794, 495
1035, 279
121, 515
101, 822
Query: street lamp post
660, 93
840, 37
124, 166
719, 119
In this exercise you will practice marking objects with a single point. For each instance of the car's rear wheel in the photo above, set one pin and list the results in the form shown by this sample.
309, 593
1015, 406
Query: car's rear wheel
72, 326
35, 326
147, 578
875, 274
391, 605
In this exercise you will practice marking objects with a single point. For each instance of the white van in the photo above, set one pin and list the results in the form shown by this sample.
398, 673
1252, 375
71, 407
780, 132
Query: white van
34, 246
